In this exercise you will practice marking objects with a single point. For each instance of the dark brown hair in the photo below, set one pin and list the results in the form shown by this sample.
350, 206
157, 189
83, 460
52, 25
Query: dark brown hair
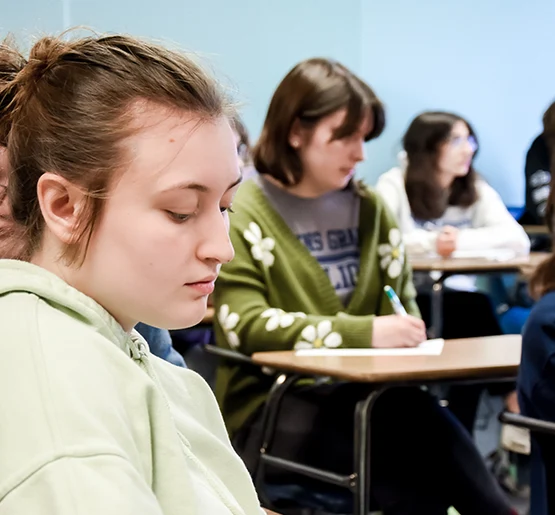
422, 142
543, 280
11, 234
312, 90
244, 146
70, 109
549, 126
11, 63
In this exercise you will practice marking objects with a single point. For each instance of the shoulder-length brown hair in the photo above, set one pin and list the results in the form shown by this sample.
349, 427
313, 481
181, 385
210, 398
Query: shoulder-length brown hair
312, 90
422, 142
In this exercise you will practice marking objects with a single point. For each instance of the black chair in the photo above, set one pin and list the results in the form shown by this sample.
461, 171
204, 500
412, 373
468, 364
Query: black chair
543, 435
289, 499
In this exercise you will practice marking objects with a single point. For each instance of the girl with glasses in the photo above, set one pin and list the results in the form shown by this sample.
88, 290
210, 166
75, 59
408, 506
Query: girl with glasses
440, 202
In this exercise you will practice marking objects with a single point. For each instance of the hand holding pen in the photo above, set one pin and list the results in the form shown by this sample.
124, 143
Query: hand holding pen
399, 330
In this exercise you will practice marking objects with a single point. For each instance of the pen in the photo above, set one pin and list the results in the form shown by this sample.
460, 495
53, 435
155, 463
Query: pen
395, 302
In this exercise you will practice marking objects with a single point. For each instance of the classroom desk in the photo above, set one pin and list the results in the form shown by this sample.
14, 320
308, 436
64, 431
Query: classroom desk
473, 359
464, 358
534, 230
466, 266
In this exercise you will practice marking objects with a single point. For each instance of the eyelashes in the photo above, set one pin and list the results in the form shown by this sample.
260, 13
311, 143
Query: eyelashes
182, 217
178, 217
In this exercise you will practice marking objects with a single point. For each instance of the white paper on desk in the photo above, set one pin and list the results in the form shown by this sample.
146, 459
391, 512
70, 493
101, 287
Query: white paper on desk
427, 348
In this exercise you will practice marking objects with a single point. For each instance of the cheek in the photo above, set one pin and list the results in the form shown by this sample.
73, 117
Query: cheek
139, 239
325, 153
446, 156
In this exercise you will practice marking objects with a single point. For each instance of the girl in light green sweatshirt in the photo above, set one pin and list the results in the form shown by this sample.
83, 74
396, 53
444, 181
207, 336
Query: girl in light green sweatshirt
123, 168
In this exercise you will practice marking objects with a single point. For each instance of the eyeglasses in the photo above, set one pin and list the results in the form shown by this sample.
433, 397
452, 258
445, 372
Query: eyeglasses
457, 141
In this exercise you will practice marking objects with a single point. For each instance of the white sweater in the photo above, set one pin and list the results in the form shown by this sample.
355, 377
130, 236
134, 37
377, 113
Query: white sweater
483, 226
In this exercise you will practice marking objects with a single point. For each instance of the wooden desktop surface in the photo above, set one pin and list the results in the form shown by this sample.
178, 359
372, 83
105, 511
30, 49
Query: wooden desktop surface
493, 356
469, 265
536, 229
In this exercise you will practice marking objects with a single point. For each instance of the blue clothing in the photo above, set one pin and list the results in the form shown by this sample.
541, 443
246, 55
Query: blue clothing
160, 343
536, 389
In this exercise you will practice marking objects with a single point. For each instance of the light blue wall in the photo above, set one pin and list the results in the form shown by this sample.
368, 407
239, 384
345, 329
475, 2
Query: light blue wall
250, 43
26, 18
489, 60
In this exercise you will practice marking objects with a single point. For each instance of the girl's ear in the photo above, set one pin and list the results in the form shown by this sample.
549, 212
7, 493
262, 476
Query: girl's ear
61, 203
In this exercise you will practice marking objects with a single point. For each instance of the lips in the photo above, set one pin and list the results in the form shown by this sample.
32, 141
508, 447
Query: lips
205, 286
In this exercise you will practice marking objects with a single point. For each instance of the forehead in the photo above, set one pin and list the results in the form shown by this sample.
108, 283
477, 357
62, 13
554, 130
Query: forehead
460, 128
172, 146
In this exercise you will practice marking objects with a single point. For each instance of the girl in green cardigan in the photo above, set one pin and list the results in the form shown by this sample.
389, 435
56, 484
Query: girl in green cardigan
314, 250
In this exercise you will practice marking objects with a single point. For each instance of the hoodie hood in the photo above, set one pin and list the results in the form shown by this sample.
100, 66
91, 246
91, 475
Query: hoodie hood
23, 277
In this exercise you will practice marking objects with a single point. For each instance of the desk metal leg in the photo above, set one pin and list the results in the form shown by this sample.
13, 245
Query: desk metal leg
362, 451
269, 418
436, 305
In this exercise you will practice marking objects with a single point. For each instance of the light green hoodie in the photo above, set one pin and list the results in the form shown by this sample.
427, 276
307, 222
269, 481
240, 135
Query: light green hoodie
92, 423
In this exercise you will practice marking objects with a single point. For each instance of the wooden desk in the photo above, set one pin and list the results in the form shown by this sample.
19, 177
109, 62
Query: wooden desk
483, 359
534, 230
474, 265
471, 358
536, 258
453, 266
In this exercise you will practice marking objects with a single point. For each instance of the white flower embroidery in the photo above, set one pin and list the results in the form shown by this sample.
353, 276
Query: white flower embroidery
279, 318
229, 321
319, 336
392, 255
261, 248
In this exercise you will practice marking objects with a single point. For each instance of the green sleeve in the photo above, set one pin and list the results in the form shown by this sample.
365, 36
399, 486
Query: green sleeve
408, 291
87, 484
403, 285
248, 323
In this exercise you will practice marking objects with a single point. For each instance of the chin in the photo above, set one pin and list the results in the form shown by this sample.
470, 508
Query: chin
189, 315
342, 183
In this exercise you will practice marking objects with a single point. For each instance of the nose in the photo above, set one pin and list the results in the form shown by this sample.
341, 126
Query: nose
359, 153
215, 245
